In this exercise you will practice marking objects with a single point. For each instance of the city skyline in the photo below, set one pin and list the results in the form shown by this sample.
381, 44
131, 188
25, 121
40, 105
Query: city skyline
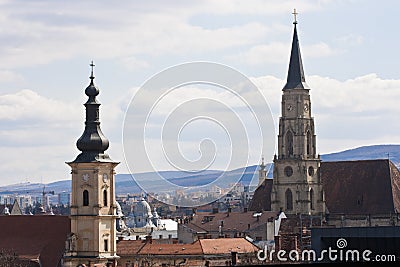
347, 50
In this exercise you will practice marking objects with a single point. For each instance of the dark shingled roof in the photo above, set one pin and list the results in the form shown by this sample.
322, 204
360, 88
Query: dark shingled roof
261, 200
351, 187
40, 237
361, 187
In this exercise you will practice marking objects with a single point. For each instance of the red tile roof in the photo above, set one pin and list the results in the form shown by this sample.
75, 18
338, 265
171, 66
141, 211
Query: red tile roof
200, 247
129, 247
171, 249
35, 237
226, 246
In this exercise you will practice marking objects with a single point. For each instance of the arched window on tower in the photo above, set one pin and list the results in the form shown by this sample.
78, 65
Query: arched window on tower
308, 143
289, 199
312, 199
289, 143
85, 196
105, 202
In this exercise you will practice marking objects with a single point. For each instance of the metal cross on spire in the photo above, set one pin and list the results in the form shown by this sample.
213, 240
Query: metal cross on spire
295, 16
92, 66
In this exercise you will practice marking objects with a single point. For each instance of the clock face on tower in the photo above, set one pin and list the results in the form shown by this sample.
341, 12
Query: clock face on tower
305, 107
289, 107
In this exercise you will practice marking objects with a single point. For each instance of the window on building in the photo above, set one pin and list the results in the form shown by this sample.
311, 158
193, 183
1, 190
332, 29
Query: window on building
105, 244
289, 199
289, 143
85, 198
312, 199
105, 198
308, 142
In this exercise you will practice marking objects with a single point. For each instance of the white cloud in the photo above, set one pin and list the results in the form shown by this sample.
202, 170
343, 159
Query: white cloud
368, 94
43, 32
350, 40
7, 76
27, 104
262, 54
320, 50
279, 53
261, 6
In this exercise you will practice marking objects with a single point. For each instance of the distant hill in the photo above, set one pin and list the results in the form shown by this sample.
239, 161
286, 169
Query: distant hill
125, 183
367, 152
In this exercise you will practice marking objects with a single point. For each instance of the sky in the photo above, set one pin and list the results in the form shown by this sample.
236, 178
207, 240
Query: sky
350, 51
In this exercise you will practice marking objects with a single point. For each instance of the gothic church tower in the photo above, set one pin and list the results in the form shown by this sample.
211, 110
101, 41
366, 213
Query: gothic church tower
297, 187
93, 210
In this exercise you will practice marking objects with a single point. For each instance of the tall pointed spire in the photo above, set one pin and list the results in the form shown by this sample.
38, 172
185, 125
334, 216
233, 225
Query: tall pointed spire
295, 78
92, 143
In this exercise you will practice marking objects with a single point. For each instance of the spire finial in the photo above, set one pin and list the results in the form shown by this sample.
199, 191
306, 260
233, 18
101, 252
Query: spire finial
295, 16
295, 79
92, 66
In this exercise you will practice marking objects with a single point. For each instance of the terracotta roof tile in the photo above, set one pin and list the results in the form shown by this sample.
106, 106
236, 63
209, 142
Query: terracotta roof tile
171, 249
129, 247
226, 246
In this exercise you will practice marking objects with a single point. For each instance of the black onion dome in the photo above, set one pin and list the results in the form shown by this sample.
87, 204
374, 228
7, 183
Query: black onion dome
92, 143
92, 90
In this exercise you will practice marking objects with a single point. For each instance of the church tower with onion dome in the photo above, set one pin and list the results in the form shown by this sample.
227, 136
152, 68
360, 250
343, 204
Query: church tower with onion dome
297, 186
93, 210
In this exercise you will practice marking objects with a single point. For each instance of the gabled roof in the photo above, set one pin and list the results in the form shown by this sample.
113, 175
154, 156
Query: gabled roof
36, 238
361, 187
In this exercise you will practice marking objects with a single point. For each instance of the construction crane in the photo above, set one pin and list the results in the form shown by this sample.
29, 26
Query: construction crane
44, 200
44, 193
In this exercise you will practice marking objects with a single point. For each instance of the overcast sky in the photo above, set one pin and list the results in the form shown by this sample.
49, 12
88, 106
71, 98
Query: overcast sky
350, 53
